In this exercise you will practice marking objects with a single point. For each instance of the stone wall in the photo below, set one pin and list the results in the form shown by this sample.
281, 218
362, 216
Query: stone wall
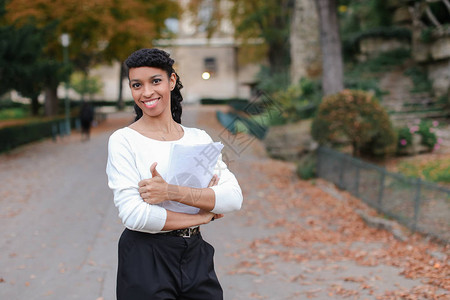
372, 46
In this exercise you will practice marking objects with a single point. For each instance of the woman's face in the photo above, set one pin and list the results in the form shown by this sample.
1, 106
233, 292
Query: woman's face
150, 88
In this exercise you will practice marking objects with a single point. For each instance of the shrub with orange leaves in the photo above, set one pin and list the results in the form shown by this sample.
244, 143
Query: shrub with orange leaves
356, 118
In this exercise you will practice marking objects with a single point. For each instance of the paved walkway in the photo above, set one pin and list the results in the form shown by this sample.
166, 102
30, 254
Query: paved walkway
292, 239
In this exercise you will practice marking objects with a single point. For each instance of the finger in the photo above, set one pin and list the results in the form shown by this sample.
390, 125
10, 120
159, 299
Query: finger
153, 170
218, 216
213, 179
142, 183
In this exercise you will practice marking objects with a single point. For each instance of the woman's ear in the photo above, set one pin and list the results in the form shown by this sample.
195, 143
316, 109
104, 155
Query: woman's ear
173, 81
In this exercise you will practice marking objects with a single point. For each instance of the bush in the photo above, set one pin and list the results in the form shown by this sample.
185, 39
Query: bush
206, 101
357, 118
307, 166
8, 103
299, 101
425, 129
270, 82
85, 85
14, 136
420, 79
405, 138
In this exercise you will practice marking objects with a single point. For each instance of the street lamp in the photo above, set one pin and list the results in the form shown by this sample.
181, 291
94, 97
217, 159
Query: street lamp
65, 41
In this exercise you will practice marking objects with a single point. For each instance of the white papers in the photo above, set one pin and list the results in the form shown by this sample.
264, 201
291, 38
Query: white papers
192, 166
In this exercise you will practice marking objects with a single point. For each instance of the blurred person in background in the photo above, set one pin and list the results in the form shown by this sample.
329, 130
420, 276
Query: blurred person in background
86, 119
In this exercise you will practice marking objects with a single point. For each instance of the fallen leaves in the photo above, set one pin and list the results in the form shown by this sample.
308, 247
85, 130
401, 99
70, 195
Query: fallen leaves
314, 221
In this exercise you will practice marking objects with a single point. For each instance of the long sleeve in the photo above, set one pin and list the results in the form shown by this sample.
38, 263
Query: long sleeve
123, 179
228, 193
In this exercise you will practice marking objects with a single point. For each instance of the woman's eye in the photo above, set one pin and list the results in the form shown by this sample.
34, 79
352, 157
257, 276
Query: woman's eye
157, 80
135, 85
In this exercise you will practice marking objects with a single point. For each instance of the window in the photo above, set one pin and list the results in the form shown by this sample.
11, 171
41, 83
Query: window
209, 68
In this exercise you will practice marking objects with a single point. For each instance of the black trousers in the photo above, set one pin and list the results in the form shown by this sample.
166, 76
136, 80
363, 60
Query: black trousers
153, 267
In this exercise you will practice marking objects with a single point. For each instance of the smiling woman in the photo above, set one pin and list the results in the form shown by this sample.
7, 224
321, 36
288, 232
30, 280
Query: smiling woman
159, 242
151, 88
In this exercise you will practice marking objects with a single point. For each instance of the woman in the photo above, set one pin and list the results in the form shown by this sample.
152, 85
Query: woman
161, 252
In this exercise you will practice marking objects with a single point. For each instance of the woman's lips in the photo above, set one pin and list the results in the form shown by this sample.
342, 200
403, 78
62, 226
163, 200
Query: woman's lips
151, 103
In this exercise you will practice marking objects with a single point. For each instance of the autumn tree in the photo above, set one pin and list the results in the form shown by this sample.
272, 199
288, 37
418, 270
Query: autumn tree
136, 24
100, 30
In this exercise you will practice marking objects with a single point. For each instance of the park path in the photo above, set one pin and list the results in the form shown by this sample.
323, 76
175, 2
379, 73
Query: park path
292, 239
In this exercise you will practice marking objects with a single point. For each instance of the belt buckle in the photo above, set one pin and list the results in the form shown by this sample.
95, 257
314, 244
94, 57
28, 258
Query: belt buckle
188, 235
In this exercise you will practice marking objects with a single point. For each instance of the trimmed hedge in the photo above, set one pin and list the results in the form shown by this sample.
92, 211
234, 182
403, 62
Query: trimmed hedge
206, 101
14, 136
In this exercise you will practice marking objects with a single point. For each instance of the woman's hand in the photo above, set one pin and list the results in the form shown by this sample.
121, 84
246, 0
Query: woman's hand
154, 190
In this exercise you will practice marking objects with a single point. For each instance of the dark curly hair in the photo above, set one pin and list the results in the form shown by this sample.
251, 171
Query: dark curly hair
160, 59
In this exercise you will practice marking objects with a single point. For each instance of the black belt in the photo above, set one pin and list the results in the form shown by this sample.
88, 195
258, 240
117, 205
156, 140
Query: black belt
186, 232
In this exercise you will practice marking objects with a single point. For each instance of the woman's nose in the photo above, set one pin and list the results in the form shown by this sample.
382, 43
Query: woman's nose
148, 90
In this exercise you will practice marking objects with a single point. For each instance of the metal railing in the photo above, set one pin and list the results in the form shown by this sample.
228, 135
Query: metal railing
421, 206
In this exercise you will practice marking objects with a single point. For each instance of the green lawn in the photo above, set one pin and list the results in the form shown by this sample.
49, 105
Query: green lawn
13, 113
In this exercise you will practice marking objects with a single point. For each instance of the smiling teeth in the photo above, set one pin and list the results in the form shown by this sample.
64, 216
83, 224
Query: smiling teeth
150, 103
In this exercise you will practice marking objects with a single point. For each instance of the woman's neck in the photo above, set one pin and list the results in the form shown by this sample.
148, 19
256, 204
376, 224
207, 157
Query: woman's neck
162, 123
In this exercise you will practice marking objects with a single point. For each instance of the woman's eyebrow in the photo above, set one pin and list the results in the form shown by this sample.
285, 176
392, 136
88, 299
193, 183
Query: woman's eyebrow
151, 77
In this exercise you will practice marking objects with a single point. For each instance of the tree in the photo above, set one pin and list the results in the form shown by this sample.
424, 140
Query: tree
23, 66
100, 30
131, 20
85, 85
252, 19
332, 65
268, 20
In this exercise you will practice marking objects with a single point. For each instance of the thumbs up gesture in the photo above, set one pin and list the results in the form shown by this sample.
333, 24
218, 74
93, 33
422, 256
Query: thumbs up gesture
154, 190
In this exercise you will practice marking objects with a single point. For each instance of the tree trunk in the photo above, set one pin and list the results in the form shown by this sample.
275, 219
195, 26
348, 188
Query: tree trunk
51, 101
306, 59
278, 58
120, 103
332, 76
34, 105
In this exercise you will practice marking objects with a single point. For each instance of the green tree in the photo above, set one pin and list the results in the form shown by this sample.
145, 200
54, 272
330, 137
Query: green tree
85, 85
23, 67
268, 20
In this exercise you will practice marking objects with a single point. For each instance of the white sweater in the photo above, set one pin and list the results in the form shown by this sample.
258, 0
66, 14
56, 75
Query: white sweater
130, 156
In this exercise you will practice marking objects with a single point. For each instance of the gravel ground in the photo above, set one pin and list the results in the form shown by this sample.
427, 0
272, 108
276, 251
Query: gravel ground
291, 240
